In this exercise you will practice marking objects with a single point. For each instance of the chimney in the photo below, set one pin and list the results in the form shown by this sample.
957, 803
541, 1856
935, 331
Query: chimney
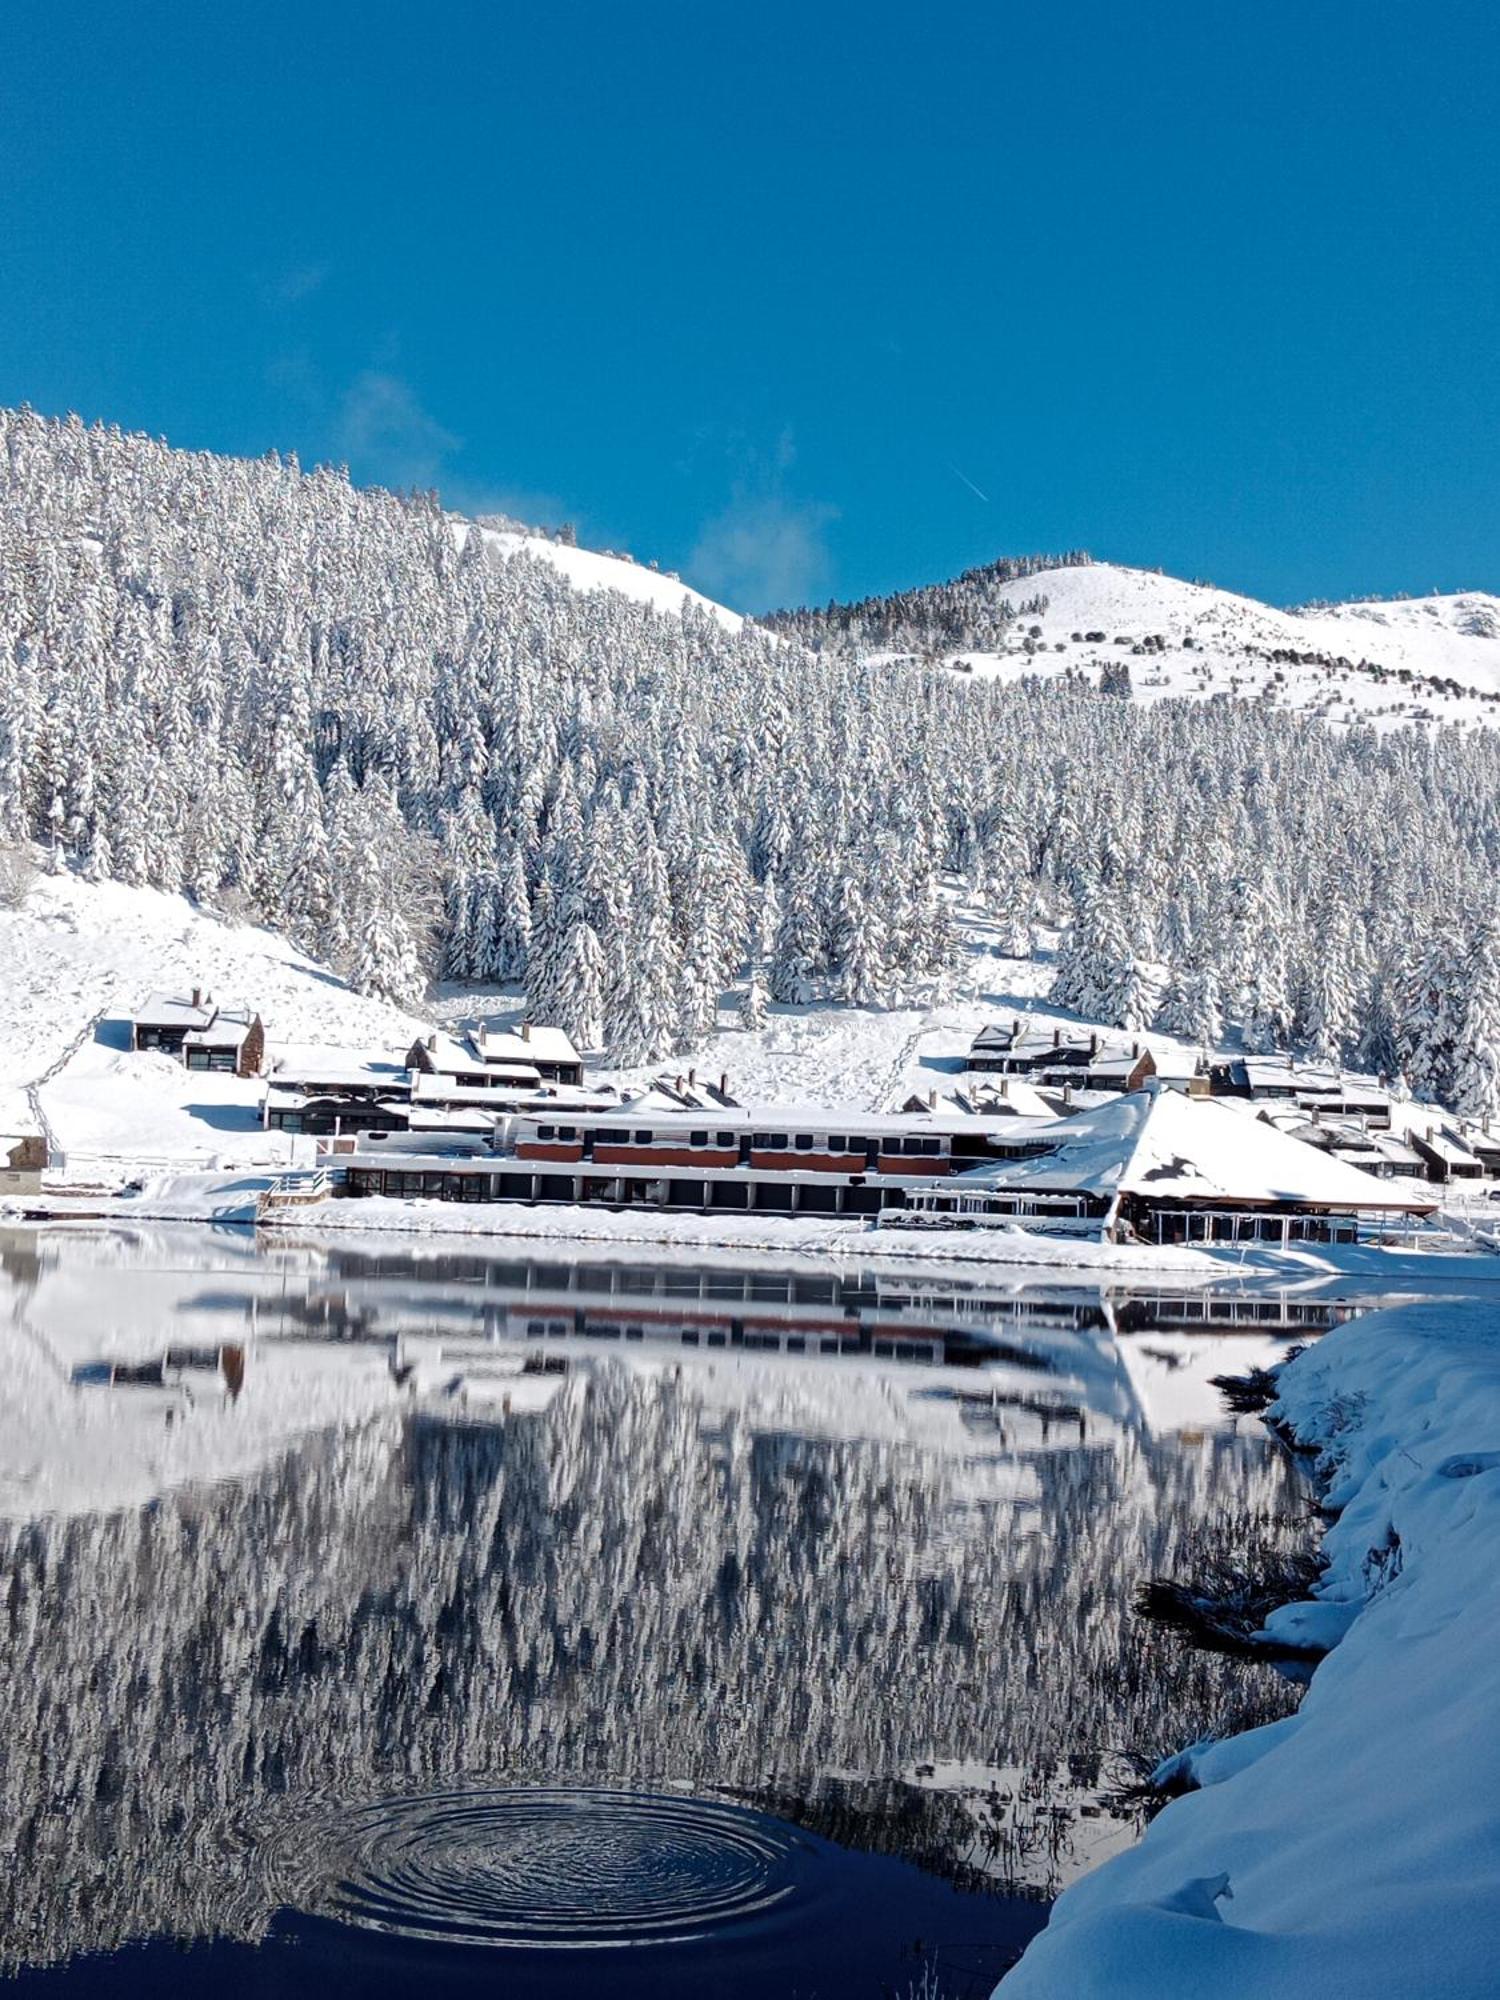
724, 1084
693, 1078
197, 996
1057, 1038
1015, 1026
1093, 1045
932, 1100
525, 1031
1135, 1048
1067, 1096
432, 1045
1005, 1086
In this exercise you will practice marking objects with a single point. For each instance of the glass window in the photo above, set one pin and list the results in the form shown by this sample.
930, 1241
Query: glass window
608, 1135
545, 1131
697, 1138
724, 1138
567, 1131
804, 1142
643, 1138
836, 1142
776, 1141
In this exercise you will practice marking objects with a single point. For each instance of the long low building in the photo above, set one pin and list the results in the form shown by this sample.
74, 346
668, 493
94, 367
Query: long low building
809, 1161
1160, 1167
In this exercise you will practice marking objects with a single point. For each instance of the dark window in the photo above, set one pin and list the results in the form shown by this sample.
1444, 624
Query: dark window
777, 1142
545, 1131
697, 1138
836, 1142
567, 1131
643, 1138
608, 1135
804, 1142
724, 1138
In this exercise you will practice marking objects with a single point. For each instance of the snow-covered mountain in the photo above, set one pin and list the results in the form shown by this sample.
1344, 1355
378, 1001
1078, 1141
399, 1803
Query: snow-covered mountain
1137, 631
1409, 659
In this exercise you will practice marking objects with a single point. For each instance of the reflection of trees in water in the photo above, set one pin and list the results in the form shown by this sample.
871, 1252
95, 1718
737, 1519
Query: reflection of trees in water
612, 1590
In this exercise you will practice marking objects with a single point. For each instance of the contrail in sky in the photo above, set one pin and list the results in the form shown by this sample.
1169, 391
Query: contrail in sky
976, 490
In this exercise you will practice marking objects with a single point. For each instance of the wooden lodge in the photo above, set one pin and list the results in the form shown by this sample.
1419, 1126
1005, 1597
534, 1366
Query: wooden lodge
200, 1033
485, 1059
1059, 1057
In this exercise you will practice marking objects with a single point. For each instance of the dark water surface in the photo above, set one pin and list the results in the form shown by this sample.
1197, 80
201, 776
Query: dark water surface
379, 1622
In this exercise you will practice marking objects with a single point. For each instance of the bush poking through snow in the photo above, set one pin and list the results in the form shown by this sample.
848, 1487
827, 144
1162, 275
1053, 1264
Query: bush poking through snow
1230, 1592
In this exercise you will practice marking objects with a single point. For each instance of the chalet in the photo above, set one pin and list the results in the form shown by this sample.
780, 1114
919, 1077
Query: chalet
1321, 1087
200, 1033
1161, 1167
745, 1159
332, 1110
485, 1059
1379, 1153
1058, 1056
163, 1022
23, 1156
1444, 1155
233, 1043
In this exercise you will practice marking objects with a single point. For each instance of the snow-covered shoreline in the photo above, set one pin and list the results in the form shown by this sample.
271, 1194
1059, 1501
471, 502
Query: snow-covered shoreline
1354, 1848
231, 1201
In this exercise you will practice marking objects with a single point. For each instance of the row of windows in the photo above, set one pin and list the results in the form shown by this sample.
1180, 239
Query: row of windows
765, 1142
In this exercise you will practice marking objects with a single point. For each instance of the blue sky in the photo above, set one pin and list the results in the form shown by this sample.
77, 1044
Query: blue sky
796, 298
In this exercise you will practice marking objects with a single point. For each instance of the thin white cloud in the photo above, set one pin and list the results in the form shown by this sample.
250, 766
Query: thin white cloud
384, 433
764, 552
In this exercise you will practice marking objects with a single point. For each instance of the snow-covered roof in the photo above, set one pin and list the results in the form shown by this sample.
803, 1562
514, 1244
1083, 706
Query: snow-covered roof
1159, 1143
226, 1030
171, 1010
1449, 1149
1312, 1080
996, 1097
333, 1064
534, 1042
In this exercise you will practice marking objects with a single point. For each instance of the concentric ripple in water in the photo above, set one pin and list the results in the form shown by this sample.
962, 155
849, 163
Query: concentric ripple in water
532, 1867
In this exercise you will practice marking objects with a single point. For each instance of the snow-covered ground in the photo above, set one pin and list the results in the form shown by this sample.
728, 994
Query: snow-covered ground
588, 570
1353, 1849
78, 957
1219, 643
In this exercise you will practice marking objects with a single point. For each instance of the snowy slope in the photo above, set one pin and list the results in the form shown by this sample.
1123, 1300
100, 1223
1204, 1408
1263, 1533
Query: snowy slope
1352, 656
587, 570
78, 957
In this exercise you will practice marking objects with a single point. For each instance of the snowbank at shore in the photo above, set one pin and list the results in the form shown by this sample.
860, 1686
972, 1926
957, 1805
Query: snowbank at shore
1354, 1848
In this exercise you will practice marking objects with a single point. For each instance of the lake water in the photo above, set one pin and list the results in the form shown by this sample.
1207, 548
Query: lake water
375, 1621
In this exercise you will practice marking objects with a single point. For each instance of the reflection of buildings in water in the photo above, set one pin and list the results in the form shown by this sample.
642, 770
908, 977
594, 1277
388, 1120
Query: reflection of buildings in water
630, 1586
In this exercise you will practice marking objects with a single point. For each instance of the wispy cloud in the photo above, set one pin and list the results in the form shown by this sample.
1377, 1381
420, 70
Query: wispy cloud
766, 548
763, 552
294, 284
385, 434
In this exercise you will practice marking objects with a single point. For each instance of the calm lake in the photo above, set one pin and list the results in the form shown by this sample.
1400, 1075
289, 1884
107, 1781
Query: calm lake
390, 1620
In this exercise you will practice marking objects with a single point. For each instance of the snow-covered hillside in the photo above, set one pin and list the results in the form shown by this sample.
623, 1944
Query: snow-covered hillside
1418, 658
78, 957
587, 569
